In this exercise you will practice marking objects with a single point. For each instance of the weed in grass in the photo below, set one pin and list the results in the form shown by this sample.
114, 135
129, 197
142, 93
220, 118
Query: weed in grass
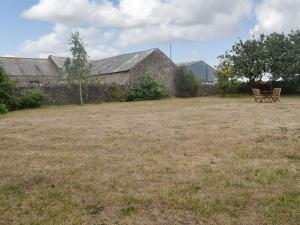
127, 210
283, 129
286, 205
94, 209
294, 156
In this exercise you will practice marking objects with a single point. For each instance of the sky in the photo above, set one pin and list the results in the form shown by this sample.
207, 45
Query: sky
197, 29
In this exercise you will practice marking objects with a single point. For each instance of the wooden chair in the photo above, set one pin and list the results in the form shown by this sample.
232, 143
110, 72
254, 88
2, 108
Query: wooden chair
257, 96
276, 94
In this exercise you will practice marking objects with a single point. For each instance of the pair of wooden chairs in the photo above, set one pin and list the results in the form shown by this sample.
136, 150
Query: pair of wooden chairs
275, 97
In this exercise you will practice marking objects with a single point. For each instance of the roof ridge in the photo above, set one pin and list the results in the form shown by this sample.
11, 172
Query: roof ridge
149, 50
191, 62
15, 57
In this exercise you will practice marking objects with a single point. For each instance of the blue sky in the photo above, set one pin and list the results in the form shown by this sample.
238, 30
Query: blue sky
33, 28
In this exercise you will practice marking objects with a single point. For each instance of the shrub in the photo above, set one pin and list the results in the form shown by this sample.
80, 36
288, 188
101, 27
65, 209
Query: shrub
147, 88
3, 108
31, 98
187, 84
227, 82
6, 89
118, 93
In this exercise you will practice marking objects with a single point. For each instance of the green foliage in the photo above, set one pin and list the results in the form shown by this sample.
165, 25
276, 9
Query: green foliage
77, 68
146, 88
118, 93
6, 89
248, 59
227, 82
187, 84
31, 98
125, 211
3, 108
275, 55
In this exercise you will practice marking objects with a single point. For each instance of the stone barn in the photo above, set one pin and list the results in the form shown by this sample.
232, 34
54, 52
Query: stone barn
128, 68
123, 69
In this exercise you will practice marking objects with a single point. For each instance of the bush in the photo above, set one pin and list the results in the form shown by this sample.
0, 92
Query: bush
187, 84
6, 90
3, 108
31, 98
227, 82
147, 88
118, 93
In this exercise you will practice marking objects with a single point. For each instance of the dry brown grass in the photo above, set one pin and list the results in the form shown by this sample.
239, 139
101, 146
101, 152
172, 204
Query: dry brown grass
177, 161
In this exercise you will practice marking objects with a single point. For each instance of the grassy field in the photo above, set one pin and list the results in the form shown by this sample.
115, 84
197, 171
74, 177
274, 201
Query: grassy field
178, 161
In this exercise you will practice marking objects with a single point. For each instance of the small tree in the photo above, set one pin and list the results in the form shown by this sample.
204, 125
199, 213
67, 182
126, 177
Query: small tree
77, 68
187, 84
6, 89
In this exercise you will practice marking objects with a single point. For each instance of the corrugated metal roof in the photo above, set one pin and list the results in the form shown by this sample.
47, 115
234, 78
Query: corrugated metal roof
188, 63
200, 69
28, 66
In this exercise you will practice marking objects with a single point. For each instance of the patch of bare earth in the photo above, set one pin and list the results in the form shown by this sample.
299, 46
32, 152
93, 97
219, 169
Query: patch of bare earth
177, 161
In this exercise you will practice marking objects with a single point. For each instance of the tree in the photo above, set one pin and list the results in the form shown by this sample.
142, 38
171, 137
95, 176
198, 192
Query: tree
77, 68
187, 84
279, 58
227, 79
6, 89
248, 59
294, 57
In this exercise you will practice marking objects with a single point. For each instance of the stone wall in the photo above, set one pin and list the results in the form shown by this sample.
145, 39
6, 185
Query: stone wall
66, 94
206, 90
35, 80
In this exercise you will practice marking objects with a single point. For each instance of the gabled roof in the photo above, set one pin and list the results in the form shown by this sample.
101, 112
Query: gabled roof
184, 64
119, 63
116, 64
53, 65
28, 66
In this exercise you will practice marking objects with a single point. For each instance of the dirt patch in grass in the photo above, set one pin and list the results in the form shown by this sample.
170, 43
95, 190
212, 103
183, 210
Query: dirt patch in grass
176, 161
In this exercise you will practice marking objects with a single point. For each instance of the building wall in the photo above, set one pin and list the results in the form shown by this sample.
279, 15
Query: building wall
35, 80
160, 67
119, 78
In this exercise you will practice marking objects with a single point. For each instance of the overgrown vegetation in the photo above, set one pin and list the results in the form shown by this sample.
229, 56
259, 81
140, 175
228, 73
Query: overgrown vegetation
3, 108
6, 91
147, 88
77, 68
275, 56
31, 98
119, 93
187, 84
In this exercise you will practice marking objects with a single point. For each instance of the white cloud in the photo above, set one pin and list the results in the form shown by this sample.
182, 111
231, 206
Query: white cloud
147, 21
277, 16
56, 43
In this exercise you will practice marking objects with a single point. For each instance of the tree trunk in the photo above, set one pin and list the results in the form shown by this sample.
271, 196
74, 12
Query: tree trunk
80, 93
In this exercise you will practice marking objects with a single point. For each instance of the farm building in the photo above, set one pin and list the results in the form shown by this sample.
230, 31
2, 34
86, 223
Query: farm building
200, 69
30, 71
123, 69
